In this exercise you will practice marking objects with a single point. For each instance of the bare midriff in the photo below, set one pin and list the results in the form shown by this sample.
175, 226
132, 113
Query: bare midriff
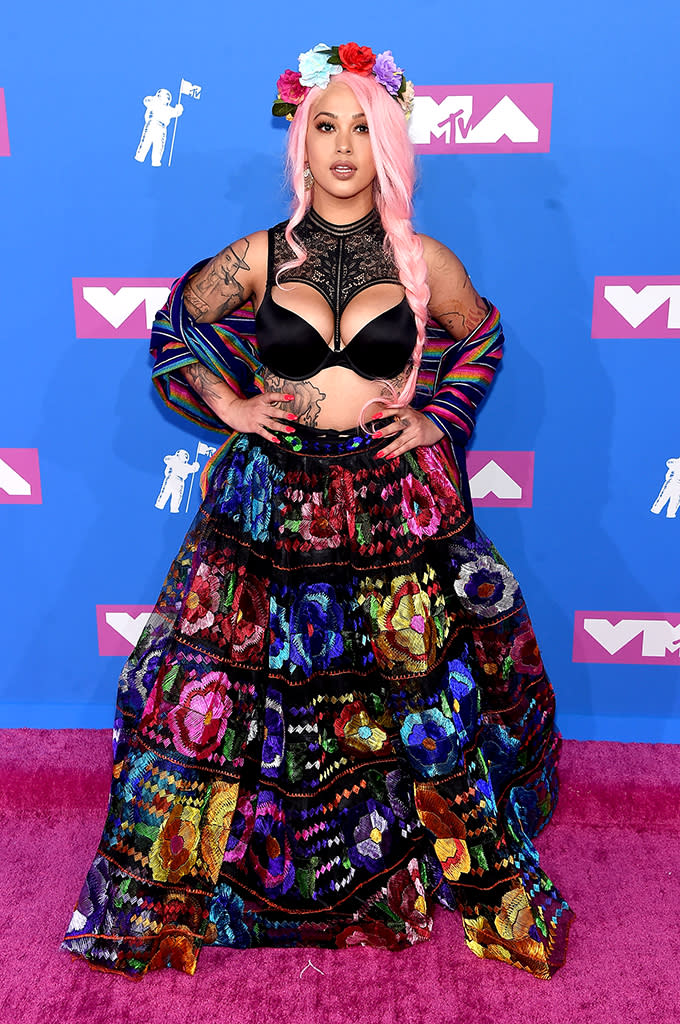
332, 398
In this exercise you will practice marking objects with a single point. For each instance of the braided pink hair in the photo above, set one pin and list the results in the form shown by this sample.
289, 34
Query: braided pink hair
393, 196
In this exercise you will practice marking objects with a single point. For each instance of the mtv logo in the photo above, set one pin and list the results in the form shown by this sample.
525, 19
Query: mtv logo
627, 638
636, 307
4, 131
20, 477
501, 479
117, 307
482, 118
119, 626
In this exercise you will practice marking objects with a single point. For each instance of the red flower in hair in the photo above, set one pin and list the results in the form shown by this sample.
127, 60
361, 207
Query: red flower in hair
359, 59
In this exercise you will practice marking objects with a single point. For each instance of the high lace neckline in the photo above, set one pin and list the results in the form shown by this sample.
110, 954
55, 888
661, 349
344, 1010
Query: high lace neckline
342, 229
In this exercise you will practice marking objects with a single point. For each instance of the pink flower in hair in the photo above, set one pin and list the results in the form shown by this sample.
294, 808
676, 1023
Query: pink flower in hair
289, 88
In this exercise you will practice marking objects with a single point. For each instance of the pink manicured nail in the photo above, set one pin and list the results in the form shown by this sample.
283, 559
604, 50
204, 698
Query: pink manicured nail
377, 433
289, 398
290, 430
291, 415
380, 454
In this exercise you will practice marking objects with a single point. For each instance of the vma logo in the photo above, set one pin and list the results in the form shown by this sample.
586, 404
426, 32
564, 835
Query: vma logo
501, 479
119, 626
117, 307
179, 468
627, 638
482, 118
159, 112
20, 477
4, 131
636, 307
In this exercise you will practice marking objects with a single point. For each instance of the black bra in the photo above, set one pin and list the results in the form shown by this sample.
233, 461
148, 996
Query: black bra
342, 260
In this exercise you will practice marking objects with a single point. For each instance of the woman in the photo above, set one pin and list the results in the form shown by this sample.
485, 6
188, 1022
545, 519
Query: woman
337, 715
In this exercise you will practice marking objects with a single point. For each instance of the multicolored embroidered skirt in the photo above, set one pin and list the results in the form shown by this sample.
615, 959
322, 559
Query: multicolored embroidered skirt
336, 717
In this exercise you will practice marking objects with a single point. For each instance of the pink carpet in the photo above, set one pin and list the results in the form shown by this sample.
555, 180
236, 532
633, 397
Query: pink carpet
613, 848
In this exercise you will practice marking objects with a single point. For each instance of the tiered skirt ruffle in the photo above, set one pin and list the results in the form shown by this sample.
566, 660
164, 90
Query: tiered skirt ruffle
336, 717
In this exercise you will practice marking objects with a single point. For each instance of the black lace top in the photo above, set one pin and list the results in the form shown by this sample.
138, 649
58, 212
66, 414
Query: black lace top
342, 260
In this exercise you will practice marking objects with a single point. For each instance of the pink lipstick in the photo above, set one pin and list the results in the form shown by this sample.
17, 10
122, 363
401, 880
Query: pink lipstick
343, 169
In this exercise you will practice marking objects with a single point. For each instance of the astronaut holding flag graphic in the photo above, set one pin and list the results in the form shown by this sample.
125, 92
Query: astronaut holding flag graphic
177, 470
159, 112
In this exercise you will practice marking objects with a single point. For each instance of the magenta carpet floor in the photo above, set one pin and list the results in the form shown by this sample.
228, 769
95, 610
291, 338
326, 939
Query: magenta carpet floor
613, 847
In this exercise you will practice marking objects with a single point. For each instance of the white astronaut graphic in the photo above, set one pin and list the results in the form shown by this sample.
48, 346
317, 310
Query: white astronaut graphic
670, 491
177, 469
159, 114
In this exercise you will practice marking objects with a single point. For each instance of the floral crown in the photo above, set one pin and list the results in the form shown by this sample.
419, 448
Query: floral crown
318, 65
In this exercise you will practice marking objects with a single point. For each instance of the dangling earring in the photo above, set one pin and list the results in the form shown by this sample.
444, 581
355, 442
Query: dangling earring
308, 178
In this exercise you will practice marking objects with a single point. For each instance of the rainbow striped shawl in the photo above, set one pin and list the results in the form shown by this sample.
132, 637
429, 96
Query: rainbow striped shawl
453, 379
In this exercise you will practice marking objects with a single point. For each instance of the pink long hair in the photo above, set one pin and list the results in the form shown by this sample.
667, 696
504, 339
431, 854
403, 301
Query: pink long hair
393, 197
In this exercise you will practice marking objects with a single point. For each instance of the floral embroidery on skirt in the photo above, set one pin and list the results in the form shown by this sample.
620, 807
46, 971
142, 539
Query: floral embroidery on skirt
336, 717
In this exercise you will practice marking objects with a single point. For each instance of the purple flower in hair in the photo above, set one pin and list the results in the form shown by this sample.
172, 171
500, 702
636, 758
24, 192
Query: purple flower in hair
387, 72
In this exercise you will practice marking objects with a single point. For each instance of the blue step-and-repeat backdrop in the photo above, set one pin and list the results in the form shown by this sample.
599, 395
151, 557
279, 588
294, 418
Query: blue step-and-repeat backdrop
136, 140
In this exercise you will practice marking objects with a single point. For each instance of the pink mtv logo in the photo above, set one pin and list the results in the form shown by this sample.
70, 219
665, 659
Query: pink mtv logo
117, 307
482, 118
4, 131
501, 479
627, 638
636, 307
119, 626
20, 477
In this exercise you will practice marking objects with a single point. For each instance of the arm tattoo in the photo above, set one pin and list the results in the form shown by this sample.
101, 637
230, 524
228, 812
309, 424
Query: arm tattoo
215, 290
440, 261
207, 384
307, 401
467, 309
463, 319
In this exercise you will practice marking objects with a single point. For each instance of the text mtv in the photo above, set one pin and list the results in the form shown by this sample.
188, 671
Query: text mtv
482, 118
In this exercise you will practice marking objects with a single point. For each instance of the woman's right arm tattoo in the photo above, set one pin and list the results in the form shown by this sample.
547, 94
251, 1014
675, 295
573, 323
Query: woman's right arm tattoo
207, 384
216, 290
